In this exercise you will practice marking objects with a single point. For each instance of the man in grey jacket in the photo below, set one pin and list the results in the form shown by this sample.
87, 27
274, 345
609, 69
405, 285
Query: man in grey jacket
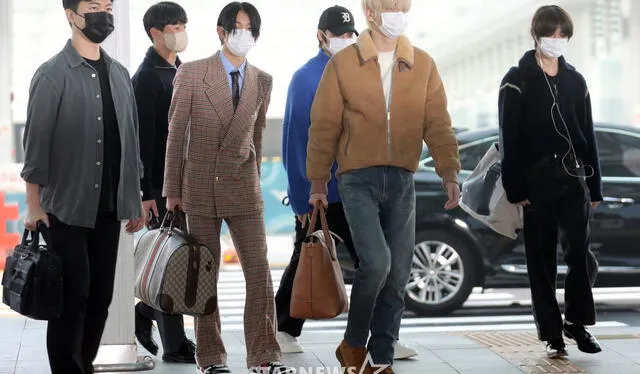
82, 171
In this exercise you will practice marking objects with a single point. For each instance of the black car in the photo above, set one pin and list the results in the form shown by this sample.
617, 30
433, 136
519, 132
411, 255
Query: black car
455, 253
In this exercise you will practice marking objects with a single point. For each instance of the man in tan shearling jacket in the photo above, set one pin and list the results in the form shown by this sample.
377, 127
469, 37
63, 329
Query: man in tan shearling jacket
376, 103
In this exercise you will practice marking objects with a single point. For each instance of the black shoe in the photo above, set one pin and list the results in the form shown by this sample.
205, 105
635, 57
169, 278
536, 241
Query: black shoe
143, 330
214, 369
556, 349
185, 355
272, 368
587, 343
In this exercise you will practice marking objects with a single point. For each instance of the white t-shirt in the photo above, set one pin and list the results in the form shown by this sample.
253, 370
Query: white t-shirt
387, 62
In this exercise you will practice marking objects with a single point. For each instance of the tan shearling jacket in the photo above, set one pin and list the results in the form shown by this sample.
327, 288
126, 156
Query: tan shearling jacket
350, 122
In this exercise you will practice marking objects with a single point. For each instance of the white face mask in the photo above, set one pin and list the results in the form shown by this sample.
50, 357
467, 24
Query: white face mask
176, 42
553, 47
240, 42
394, 24
338, 44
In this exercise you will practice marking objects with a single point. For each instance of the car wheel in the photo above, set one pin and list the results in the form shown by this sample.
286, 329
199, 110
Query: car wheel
442, 274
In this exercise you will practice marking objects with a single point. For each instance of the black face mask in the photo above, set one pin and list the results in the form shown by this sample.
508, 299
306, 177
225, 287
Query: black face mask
98, 26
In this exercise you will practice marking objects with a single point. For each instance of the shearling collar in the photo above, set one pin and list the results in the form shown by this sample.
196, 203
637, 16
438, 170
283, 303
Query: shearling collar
367, 50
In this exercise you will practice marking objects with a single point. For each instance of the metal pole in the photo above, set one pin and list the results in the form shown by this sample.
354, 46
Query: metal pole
118, 350
6, 56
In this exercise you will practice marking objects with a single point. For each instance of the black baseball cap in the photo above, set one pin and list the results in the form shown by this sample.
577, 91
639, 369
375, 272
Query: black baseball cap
338, 20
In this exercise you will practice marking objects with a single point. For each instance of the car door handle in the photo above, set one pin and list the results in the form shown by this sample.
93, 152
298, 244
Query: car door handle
616, 202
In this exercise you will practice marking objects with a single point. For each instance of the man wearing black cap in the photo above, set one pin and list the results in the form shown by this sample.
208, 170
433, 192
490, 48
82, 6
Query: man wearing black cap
336, 31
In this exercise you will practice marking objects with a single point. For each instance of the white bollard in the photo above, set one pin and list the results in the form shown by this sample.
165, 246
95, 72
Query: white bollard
118, 349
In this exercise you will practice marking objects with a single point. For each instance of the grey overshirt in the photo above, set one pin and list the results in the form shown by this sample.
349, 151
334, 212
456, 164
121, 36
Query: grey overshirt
63, 138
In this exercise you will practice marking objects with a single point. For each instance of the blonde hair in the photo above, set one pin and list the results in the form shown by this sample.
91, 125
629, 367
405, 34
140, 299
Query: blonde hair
379, 5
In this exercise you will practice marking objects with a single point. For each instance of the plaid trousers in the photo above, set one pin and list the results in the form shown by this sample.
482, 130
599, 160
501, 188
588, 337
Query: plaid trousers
249, 238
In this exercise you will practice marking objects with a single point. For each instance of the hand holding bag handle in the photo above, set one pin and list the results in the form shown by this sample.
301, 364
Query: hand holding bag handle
175, 219
318, 209
34, 245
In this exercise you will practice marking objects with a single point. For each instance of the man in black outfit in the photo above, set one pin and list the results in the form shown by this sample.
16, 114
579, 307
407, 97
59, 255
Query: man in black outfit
82, 171
165, 24
551, 168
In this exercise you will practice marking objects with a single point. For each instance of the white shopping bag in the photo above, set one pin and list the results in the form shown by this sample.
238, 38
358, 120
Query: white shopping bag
483, 197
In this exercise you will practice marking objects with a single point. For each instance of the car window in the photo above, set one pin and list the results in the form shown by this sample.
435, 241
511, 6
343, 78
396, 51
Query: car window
619, 154
470, 155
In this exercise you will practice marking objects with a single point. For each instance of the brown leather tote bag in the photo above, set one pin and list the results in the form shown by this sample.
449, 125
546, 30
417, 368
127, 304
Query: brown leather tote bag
318, 288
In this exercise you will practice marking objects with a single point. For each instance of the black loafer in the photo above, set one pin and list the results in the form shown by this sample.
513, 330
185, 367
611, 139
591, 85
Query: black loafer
587, 343
143, 330
185, 355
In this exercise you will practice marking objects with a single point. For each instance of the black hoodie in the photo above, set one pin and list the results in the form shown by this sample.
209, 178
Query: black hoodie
527, 132
153, 86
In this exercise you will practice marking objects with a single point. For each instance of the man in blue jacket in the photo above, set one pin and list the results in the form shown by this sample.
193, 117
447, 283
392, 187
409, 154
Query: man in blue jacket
336, 30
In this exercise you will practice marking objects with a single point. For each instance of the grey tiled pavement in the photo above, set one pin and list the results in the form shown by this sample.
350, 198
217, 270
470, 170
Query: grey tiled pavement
22, 351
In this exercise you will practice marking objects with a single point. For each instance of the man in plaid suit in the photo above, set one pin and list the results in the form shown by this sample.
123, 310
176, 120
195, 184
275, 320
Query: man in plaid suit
212, 172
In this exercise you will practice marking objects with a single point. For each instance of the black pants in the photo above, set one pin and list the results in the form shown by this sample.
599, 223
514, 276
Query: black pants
560, 205
89, 264
170, 327
337, 224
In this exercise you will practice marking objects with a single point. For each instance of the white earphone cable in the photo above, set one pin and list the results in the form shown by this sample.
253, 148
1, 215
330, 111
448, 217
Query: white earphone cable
567, 138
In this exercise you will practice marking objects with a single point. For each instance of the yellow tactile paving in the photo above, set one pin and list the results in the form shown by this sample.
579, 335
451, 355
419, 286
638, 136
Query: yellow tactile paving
524, 351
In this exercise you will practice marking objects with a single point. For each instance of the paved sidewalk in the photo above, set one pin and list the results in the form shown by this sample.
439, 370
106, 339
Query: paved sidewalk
22, 351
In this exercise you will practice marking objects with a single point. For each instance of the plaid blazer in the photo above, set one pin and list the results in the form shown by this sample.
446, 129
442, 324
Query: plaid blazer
213, 152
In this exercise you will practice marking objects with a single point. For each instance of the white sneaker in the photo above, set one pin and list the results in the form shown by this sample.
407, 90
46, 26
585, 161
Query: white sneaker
402, 351
288, 343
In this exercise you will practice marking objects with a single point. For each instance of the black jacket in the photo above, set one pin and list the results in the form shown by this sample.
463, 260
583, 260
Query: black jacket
153, 86
527, 132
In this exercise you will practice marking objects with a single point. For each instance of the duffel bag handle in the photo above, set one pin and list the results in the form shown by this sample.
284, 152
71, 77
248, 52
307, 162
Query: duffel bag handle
175, 219
41, 228
167, 219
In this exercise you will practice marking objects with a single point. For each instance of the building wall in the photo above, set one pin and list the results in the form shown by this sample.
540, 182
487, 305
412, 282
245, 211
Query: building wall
473, 66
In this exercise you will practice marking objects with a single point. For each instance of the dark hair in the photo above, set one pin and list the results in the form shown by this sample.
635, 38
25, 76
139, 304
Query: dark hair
229, 13
162, 14
547, 19
73, 4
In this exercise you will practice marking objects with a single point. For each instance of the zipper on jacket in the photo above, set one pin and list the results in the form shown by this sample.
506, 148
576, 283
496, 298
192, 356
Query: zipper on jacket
387, 107
393, 74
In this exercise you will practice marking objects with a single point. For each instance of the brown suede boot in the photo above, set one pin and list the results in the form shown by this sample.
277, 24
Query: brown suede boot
352, 357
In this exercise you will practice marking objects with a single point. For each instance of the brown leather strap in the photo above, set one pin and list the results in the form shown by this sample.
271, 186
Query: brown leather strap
193, 274
318, 210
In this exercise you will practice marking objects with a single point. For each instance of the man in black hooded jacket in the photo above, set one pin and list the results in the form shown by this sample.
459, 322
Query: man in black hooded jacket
551, 168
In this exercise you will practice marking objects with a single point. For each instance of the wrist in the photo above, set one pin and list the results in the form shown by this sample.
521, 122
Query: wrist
34, 205
449, 176
318, 187
445, 184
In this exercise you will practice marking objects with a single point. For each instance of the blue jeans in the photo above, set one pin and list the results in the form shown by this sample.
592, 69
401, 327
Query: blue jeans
379, 203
